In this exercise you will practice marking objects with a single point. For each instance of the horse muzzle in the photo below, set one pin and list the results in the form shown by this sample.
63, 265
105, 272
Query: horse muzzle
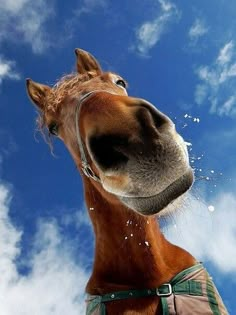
138, 153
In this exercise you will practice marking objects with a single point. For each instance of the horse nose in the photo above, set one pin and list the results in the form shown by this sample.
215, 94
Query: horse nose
134, 127
160, 119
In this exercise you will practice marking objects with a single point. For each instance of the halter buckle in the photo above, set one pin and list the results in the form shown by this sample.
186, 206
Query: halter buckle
164, 290
89, 172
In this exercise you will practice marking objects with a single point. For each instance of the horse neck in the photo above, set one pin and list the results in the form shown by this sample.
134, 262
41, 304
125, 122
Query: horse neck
130, 250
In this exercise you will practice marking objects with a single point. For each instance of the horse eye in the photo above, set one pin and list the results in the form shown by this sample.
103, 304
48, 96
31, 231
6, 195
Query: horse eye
121, 82
53, 129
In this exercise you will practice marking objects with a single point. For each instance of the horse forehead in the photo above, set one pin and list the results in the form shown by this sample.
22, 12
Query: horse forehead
65, 92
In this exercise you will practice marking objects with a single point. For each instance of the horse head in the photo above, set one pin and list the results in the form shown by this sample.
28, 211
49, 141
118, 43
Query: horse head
126, 144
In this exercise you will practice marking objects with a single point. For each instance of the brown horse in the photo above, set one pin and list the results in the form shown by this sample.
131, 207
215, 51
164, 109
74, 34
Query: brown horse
134, 165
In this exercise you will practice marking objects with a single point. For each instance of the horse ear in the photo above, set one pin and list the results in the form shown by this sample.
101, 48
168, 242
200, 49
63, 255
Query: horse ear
37, 92
86, 62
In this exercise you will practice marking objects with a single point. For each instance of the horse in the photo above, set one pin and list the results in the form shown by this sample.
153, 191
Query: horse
134, 165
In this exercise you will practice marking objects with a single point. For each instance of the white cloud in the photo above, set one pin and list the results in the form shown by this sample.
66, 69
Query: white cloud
12, 6
150, 32
209, 236
9, 238
228, 108
78, 218
55, 283
7, 70
217, 83
226, 53
165, 5
24, 20
197, 30
200, 93
88, 6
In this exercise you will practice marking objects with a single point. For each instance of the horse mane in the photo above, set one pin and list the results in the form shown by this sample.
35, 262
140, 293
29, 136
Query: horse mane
67, 85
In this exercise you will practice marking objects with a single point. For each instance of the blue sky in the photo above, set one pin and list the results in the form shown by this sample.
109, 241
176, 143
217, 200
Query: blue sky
181, 56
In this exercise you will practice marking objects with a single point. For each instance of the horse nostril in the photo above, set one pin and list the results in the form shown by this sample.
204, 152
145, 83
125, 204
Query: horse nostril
107, 151
158, 117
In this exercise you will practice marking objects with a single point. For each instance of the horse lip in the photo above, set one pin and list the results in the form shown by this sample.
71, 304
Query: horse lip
156, 203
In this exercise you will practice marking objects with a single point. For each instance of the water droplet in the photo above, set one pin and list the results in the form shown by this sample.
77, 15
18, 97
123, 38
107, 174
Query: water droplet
211, 208
188, 144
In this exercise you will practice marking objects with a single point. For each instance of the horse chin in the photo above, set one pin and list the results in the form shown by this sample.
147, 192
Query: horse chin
155, 204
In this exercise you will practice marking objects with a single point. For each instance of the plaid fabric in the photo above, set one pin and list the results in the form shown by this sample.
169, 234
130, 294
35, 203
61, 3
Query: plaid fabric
193, 293
208, 302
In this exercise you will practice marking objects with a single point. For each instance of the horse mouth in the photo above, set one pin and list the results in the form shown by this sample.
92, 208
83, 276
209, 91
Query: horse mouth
156, 203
